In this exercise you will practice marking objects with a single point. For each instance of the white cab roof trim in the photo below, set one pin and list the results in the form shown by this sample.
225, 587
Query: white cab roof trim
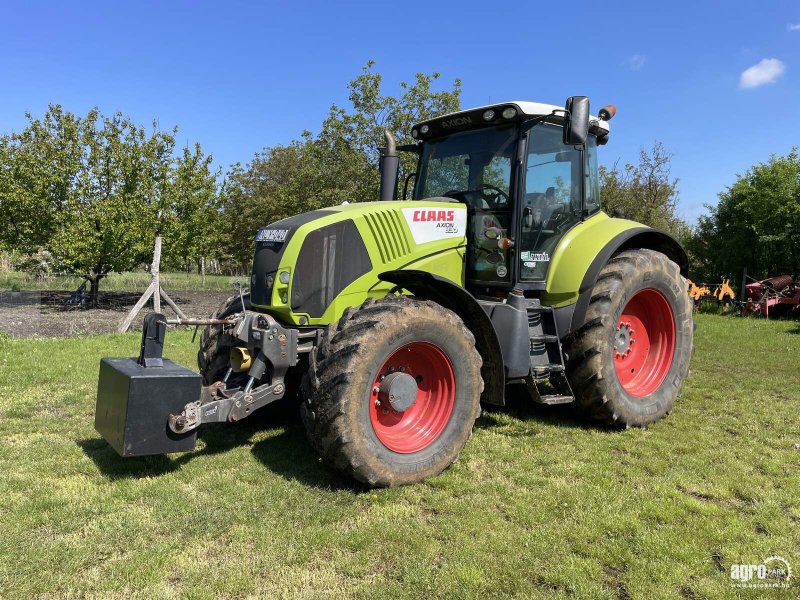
536, 109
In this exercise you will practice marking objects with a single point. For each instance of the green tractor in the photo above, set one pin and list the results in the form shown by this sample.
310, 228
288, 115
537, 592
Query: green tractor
396, 319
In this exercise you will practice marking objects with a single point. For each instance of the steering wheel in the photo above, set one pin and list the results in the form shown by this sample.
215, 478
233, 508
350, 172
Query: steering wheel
494, 201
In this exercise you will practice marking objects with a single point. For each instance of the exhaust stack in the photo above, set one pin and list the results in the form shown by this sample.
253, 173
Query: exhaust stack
389, 165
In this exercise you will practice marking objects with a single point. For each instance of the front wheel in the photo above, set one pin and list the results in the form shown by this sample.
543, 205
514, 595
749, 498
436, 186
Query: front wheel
213, 357
628, 362
392, 391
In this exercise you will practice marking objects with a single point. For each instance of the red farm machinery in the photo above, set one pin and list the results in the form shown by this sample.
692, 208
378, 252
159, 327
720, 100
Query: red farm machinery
777, 297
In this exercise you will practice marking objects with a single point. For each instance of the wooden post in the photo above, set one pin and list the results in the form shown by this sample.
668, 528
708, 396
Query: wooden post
154, 290
156, 274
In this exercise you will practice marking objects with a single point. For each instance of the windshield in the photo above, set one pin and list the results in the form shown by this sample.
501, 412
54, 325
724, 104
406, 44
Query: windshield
470, 166
474, 167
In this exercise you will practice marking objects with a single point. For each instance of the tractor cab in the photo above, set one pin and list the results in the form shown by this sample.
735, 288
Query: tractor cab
527, 173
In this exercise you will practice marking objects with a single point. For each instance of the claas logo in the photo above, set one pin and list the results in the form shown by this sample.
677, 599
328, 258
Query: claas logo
437, 216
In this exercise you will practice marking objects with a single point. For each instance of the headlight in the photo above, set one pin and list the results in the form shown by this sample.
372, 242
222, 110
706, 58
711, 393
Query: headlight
424, 129
488, 115
284, 277
510, 113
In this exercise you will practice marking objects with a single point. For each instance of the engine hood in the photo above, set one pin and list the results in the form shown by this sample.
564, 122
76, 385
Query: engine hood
342, 249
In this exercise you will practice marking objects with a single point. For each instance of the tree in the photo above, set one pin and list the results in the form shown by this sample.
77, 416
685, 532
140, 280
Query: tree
755, 223
345, 152
645, 192
37, 168
276, 184
191, 212
94, 190
338, 164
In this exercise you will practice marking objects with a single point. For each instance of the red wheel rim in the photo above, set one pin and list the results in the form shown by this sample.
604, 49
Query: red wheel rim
644, 343
416, 428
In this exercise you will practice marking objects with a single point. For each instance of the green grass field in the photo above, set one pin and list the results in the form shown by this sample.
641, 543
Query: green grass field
121, 282
540, 504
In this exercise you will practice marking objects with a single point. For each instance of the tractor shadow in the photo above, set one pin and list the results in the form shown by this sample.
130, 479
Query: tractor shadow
520, 406
286, 451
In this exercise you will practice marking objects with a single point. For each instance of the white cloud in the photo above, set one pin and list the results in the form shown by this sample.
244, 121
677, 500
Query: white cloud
793, 27
635, 61
767, 71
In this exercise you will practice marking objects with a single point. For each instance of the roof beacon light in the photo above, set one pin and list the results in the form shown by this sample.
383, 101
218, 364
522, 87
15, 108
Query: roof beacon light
509, 113
607, 112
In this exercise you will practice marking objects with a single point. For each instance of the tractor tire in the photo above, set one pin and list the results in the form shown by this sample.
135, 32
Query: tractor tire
359, 411
213, 357
628, 362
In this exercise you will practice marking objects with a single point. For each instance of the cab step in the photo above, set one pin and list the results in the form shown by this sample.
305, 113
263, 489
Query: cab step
543, 370
555, 399
543, 339
547, 357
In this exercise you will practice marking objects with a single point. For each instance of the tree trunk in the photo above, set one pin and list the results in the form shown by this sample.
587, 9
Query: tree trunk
203, 269
94, 288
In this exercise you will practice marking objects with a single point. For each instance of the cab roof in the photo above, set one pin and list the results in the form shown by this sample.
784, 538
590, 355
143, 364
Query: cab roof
474, 117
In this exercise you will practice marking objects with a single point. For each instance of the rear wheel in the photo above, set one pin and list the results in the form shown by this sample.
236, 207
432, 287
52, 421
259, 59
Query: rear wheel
628, 362
392, 391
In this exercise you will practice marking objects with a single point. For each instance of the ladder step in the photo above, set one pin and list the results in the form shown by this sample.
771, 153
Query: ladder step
539, 309
543, 338
547, 369
555, 399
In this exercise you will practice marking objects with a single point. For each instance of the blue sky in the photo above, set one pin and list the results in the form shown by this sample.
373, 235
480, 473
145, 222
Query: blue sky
240, 76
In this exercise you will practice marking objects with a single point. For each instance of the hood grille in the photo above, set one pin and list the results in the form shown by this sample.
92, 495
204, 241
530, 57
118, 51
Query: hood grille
387, 231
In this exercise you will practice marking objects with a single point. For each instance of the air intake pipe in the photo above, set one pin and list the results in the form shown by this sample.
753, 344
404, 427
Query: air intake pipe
388, 166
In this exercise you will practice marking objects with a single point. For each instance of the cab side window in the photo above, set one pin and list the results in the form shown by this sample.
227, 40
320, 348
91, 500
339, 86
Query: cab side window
592, 178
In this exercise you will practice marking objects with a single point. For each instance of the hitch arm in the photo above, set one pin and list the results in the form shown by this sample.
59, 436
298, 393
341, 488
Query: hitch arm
215, 407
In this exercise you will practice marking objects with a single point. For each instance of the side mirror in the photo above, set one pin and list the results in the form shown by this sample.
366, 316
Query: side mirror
576, 124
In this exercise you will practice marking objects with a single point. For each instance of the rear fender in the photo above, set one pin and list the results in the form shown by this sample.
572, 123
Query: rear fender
640, 237
456, 298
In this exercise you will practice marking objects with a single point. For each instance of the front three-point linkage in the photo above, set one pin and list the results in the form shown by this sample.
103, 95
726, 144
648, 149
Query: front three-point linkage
275, 350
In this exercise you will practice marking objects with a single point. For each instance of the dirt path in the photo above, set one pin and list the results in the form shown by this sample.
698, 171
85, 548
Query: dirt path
47, 314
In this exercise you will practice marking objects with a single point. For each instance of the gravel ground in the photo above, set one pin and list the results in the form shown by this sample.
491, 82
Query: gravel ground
47, 314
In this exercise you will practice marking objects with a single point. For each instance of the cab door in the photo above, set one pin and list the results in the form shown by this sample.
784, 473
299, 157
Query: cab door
551, 199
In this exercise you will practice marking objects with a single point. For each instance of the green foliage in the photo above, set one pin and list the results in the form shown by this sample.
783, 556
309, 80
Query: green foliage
191, 209
339, 164
38, 265
349, 140
94, 190
755, 223
278, 183
645, 192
